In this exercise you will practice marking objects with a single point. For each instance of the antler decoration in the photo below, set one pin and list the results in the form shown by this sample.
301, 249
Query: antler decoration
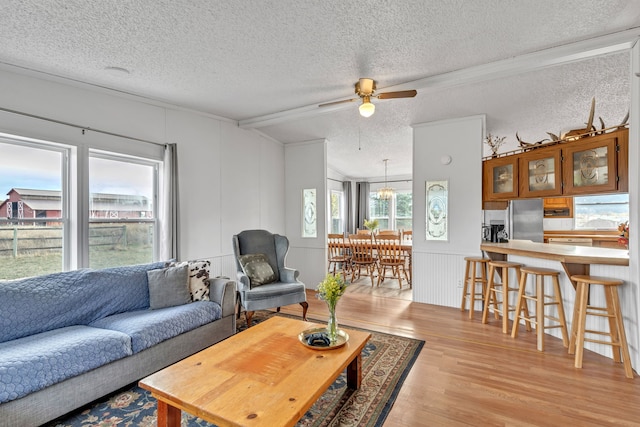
529, 145
574, 134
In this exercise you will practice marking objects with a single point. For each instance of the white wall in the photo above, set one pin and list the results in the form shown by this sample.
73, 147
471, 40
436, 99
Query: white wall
306, 167
438, 267
230, 179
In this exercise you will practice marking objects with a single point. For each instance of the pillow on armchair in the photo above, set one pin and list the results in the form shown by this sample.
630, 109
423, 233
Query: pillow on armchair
257, 268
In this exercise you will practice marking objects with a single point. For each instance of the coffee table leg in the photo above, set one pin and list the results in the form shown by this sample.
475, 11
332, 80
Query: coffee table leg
354, 373
168, 416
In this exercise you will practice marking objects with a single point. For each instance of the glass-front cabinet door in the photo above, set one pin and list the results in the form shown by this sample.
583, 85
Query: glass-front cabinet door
540, 174
501, 178
591, 166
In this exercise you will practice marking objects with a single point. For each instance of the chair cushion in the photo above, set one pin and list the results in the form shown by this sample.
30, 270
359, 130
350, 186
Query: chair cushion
168, 286
257, 268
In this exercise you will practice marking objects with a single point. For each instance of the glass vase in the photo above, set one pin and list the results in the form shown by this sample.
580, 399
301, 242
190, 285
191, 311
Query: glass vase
332, 324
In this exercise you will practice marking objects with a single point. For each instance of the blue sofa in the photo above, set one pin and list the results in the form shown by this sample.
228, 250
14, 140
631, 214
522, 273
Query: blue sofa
67, 339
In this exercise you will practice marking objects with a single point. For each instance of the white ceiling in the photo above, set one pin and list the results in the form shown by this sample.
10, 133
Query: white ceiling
268, 64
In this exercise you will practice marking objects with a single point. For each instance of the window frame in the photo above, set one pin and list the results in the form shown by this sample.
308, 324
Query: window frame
75, 185
576, 210
392, 212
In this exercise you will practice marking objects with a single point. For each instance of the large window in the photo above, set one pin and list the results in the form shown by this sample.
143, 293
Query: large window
602, 212
394, 213
121, 210
33, 208
56, 214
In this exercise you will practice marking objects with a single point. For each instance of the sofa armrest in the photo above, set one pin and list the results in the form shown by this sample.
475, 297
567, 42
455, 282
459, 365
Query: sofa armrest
289, 275
223, 291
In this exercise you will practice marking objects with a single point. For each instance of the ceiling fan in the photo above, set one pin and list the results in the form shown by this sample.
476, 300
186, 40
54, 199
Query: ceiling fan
365, 89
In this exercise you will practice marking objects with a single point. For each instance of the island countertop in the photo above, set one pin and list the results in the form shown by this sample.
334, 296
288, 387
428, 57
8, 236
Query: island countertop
574, 259
563, 253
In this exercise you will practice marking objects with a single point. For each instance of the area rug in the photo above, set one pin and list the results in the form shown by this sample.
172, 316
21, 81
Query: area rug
386, 362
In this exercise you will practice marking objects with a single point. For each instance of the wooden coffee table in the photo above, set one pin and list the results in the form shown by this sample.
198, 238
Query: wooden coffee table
263, 376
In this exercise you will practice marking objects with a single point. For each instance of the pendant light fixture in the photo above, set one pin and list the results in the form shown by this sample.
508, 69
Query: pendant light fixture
386, 192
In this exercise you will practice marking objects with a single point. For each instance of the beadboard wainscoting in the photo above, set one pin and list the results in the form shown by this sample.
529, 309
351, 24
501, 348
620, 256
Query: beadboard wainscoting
438, 278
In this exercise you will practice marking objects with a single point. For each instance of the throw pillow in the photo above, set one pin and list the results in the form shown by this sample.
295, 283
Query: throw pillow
168, 287
198, 278
257, 267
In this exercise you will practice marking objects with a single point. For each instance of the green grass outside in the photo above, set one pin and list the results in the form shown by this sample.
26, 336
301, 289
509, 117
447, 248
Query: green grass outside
100, 257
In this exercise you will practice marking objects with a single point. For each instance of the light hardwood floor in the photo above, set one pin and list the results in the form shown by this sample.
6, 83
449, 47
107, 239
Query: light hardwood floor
470, 374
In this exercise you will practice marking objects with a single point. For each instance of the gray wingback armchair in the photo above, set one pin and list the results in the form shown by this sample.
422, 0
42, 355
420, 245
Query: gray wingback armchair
284, 290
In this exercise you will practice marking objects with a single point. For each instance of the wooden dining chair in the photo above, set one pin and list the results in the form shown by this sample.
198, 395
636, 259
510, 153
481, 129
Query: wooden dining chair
338, 254
365, 232
389, 233
362, 256
390, 256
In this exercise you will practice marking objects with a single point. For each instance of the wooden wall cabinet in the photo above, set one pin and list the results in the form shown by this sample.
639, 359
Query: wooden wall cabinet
592, 165
558, 207
540, 173
500, 178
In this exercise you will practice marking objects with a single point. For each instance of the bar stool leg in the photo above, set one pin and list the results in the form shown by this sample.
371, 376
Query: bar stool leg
465, 287
505, 301
613, 324
561, 316
490, 296
582, 291
540, 311
520, 300
622, 336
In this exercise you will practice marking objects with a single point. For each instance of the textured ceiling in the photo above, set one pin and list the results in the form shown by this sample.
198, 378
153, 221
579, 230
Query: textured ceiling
248, 59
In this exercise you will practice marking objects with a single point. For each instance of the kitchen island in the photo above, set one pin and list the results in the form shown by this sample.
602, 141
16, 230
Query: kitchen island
574, 259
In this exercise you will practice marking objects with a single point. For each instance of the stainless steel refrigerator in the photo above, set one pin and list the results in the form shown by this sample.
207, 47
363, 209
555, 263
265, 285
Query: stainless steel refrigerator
525, 220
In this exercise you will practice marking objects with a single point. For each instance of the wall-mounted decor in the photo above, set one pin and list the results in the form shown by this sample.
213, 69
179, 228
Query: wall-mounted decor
437, 210
309, 223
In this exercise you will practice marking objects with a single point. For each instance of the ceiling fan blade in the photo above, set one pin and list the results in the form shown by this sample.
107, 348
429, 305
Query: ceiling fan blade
338, 102
398, 94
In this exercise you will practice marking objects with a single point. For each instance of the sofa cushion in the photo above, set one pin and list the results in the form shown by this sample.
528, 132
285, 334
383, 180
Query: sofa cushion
32, 363
43, 303
168, 286
149, 327
257, 268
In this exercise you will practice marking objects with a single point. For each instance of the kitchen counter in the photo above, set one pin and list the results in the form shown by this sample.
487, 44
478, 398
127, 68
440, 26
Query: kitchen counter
574, 259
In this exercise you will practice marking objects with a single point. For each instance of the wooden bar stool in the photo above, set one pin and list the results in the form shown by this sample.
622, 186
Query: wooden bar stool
541, 300
503, 288
617, 336
471, 282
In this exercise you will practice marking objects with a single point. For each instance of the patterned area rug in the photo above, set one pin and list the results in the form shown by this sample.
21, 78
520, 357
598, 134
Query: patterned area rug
387, 360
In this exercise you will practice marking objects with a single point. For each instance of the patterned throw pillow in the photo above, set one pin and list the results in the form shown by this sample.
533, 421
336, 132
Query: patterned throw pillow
257, 267
198, 278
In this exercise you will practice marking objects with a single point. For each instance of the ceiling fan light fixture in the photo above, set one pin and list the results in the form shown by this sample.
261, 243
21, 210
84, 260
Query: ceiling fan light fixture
367, 108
